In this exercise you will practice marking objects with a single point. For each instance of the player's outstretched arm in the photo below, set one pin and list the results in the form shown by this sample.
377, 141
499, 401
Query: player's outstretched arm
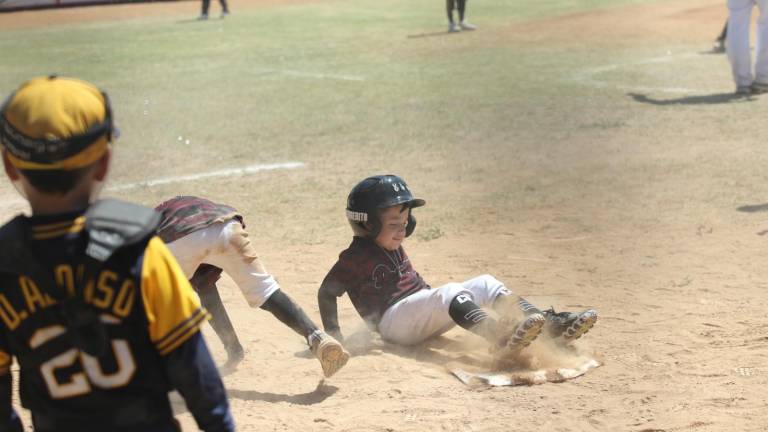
289, 313
9, 420
192, 372
326, 301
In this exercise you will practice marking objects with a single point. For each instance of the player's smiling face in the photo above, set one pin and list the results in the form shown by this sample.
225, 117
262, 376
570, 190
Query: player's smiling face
393, 223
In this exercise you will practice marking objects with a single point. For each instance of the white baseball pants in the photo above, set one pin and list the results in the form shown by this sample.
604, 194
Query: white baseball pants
226, 245
424, 314
737, 42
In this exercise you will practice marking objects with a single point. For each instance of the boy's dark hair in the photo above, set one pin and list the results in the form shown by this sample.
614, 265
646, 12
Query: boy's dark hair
55, 182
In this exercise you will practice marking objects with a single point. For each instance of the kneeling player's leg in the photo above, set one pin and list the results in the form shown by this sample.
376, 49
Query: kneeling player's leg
204, 282
230, 249
238, 258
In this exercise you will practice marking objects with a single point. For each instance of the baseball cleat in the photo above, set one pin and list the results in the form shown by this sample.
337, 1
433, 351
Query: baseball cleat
744, 90
202, 17
569, 325
452, 27
224, 14
331, 354
759, 88
526, 331
718, 47
467, 26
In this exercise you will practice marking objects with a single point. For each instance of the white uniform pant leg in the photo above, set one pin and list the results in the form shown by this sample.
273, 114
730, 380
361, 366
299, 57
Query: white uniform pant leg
424, 314
737, 41
485, 289
761, 62
420, 316
226, 245
191, 250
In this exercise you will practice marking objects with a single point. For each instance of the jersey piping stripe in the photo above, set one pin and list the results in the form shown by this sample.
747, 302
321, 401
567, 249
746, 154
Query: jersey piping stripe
51, 234
178, 326
190, 330
181, 330
182, 338
54, 226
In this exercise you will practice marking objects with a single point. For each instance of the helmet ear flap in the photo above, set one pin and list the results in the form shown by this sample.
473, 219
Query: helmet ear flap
375, 224
411, 224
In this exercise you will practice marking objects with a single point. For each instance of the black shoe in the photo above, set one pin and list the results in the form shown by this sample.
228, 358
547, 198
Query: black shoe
759, 88
569, 325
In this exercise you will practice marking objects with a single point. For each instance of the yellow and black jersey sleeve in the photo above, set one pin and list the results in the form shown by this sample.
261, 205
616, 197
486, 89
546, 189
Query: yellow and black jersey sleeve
172, 307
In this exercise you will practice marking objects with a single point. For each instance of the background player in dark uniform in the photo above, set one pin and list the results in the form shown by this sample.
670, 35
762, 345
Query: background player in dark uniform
719, 45
207, 5
461, 6
208, 238
102, 324
392, 297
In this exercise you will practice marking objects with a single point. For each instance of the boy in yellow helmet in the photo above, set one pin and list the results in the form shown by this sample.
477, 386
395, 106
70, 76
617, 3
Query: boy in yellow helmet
94, 307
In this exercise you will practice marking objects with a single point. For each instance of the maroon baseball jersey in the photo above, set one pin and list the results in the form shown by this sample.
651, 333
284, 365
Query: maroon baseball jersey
374, 278
186, 214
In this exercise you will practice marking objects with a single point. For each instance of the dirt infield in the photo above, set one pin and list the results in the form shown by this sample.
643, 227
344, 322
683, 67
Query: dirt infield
679, 21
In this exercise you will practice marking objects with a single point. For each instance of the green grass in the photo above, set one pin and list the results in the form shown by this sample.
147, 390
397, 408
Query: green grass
341, 86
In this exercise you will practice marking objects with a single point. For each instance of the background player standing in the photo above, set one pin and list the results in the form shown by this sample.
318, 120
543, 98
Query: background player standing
393, 299
94, 308
461, 5
207, 238
738, 50
719, 45
207, 5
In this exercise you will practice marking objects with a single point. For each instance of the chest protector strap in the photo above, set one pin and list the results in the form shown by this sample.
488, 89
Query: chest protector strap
111, 226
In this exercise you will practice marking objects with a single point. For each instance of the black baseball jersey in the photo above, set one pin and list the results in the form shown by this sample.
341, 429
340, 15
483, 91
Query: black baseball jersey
143, 299
185, 214
374, 278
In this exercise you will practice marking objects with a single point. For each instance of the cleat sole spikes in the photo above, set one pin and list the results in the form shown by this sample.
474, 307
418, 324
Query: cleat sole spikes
585, 321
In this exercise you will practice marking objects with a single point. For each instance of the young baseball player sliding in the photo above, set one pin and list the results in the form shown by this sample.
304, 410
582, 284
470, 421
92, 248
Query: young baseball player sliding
208, 238
392, 297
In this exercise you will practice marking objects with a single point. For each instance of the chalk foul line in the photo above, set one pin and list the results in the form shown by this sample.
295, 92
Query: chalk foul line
230, 172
